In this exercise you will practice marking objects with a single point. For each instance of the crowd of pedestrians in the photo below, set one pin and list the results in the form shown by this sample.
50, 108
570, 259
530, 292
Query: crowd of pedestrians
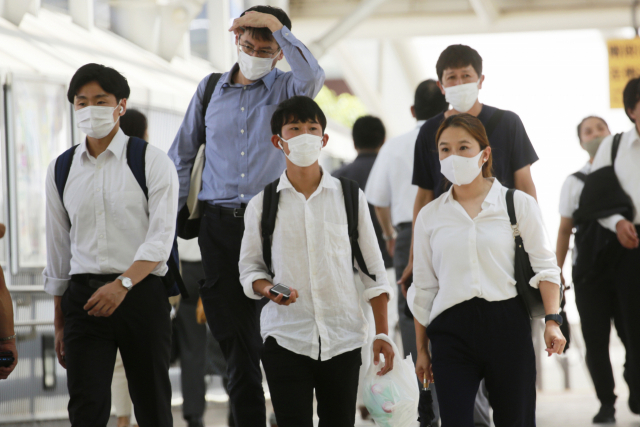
295, 265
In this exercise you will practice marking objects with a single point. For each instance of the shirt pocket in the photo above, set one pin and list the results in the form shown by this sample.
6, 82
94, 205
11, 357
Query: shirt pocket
337, 239
126, 209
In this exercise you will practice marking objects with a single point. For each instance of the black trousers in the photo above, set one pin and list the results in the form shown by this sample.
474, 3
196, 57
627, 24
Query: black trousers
192, 340
293, 378
479, 339
141, 328
233, 318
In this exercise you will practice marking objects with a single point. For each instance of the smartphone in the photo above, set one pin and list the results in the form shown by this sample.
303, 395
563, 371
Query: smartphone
281, 289
6, 359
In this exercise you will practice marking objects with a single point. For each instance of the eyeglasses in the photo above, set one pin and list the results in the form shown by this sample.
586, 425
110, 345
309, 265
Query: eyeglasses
261, 53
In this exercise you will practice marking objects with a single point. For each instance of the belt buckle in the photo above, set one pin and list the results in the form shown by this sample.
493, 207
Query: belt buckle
237, 213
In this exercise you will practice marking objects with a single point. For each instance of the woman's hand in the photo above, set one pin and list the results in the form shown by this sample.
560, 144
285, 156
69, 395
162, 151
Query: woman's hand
553, 338
423, 367
381, 346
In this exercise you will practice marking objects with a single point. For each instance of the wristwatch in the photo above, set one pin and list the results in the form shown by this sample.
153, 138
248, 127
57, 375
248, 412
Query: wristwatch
388, 238
555, 317
126, 282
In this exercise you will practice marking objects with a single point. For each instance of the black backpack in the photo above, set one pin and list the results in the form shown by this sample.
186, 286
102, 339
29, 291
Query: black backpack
136, 150
270, 201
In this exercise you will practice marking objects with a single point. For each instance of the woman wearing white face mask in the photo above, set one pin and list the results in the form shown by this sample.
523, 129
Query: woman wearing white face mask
464, 299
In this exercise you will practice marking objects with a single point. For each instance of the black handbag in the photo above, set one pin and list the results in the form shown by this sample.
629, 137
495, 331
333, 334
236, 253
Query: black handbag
531, 297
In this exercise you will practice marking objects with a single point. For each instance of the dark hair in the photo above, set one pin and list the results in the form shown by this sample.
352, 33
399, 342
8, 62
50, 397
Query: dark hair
587, 118
264, 33
631, 96
428, 100
368, 133
109, 80
297, 109
458, 56
475, 128
133, 123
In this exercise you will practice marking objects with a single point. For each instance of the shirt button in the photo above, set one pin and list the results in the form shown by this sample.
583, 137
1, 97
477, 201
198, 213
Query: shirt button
242, 175
286, 34
98, 190
242, 154
242, 109
241, 130
102, 236
244, 88
242, 195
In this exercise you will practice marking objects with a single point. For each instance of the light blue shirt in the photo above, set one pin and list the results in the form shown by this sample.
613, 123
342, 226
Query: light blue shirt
240, 159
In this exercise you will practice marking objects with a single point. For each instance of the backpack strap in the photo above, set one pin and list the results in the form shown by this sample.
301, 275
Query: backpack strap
493, 122
208, 91
351, 192
614, 147
270, 200
136, 159
62, 169
581, 176
511, 208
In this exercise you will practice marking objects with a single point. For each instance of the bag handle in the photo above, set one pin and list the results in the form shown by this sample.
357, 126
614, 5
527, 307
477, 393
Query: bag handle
511, 210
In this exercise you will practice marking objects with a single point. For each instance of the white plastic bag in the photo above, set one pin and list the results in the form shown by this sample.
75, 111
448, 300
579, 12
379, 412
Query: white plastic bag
392, 399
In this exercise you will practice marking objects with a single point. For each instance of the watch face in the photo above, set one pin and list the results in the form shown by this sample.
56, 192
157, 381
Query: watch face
126, 282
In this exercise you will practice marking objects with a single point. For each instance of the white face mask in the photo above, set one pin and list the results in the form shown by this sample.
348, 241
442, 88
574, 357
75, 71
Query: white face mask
462, 97
96, 121
304, 150
252, 67
461, 170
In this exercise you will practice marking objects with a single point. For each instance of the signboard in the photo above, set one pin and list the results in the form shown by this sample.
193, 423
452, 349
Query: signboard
624, 65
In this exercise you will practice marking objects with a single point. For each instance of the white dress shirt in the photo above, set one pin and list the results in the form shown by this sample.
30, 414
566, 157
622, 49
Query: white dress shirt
311, 253
627, 168
389, 182
570, 193
106, 222
457, 258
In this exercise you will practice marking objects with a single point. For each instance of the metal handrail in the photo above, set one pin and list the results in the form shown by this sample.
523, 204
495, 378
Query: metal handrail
19, 323
25, 288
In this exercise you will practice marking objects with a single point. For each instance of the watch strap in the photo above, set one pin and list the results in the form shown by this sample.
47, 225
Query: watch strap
555, 317
122, 279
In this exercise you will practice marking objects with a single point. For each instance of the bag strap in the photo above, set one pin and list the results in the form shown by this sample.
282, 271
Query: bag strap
62, 169
493, 122
614, 147
512, 212
208, 91
270, 200
351, 192
581, 176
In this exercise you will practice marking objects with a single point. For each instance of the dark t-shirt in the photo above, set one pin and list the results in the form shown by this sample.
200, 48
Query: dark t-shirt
510, 147
359, 172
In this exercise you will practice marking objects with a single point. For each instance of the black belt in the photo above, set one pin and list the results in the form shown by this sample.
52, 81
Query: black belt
403, 225
84, 278
219, 210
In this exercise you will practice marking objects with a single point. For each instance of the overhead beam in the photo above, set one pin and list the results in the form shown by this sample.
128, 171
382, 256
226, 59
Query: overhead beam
343, 27
81, 12
486, 10
468, 23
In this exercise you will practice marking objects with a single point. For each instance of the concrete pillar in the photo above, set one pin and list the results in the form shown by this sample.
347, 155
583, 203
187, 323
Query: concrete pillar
82, 13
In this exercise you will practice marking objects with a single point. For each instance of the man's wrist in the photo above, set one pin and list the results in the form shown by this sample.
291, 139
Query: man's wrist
274, 24
388, 237
9, 338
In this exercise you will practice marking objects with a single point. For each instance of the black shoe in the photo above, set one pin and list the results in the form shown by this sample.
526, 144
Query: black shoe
606, 415
195, 422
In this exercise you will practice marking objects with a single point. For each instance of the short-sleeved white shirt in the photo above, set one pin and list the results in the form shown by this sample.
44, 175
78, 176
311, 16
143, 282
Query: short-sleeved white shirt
570, 193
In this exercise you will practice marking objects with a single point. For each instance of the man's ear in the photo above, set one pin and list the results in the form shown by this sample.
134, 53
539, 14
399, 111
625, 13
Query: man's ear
413, 111
440, 86
274, 140
281, 55
123, 107
481, 81
631, 113
325, 139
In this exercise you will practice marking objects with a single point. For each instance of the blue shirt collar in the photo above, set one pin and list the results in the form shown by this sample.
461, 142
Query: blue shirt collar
268, 80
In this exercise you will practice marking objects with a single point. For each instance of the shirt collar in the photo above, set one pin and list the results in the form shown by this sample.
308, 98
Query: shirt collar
634, 135
117, 146
326, 181
268, 80
491, 199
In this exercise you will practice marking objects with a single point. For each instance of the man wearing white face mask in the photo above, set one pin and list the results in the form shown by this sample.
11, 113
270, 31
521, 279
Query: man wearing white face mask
240, 161
107, 252
297, 239
460, 79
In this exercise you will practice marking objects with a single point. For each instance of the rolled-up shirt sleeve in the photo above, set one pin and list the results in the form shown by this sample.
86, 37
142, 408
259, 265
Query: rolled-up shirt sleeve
163, 185
536, 241
56, 273
306, 77
251, 264
425, 283
371, 254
